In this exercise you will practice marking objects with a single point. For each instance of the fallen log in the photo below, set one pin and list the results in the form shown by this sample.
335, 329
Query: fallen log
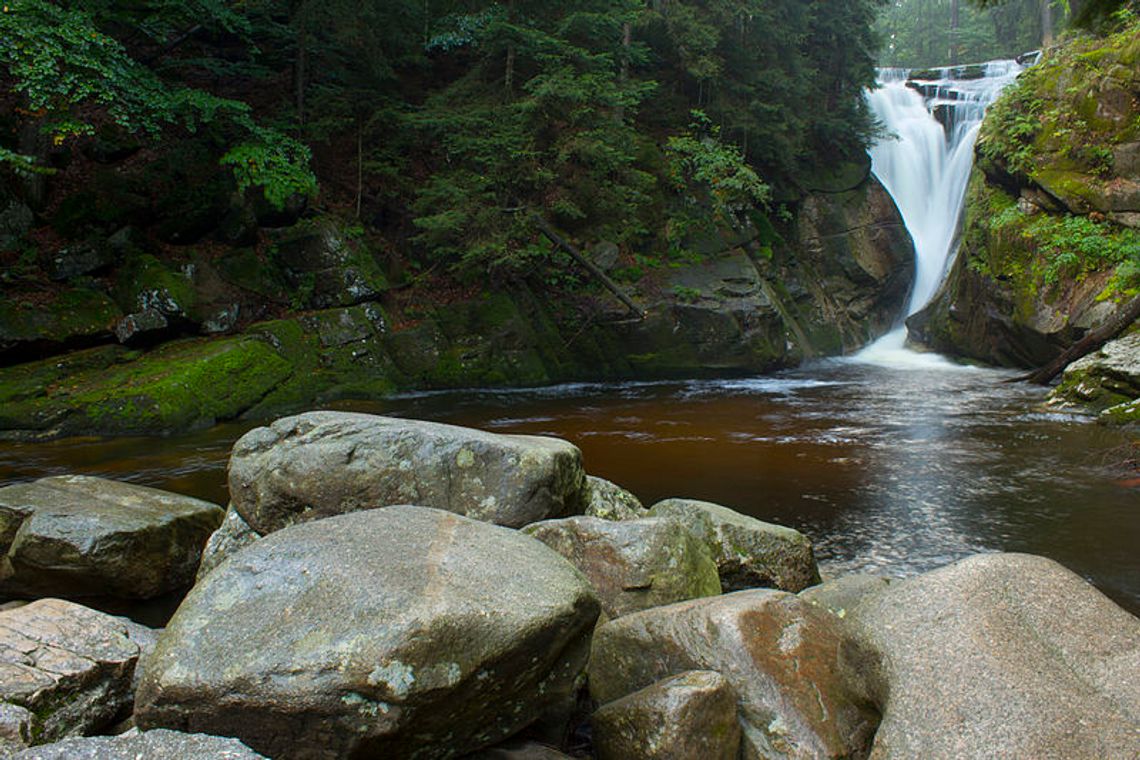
1086, 345
588, 265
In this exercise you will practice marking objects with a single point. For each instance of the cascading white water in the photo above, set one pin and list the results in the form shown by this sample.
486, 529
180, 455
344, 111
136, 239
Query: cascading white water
925, 163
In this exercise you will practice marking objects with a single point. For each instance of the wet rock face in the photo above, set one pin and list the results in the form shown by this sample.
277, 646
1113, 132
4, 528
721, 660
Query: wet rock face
795, 675
326, 463
1106, 382
633, 565
65, 670
1000, 655
399, 632
77, 536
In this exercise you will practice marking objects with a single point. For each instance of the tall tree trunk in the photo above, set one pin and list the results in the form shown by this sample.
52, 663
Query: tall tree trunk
300, 72
1046, 23
954, 24
509, 75
359, 167
626, 44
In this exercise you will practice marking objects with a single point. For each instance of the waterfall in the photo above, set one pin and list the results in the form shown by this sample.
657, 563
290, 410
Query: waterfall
924, 162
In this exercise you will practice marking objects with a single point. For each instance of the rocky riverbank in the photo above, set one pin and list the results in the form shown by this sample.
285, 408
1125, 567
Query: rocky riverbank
521, 609
127, 334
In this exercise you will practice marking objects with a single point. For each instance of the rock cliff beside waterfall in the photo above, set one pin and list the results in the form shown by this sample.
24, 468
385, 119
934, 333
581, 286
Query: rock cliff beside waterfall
1050, 248
827, 279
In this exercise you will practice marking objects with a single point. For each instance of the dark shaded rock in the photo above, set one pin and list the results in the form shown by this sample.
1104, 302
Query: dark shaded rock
794, 673
388, 633
326, 268
16, 220
1002, 655
73, 316
159, 744
80, 259
140, 325
76, 536
749, 553
610, 501
518, 749
606, 255
70, 667
691, 715
633, 565
325, 463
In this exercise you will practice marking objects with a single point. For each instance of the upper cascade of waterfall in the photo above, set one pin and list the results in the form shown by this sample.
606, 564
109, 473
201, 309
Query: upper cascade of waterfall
931, 118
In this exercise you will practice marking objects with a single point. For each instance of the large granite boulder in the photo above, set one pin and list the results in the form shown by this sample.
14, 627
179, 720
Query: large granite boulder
77, 536
749, 553
610, 501
65, 670
327, 463
633, 565
159, 744
691, 715
1001, 655
795, 675
396, 632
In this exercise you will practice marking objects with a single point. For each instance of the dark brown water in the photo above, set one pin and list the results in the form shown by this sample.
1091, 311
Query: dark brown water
885, 469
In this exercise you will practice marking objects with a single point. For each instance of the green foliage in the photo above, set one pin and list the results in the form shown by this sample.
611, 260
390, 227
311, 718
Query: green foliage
700, 161
64, 64
686, 294
276, 163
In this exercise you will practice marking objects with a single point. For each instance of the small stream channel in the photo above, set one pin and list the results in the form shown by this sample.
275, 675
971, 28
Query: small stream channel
887, 469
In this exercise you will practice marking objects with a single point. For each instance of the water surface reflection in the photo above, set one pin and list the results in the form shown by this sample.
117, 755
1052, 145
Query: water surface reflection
885, 470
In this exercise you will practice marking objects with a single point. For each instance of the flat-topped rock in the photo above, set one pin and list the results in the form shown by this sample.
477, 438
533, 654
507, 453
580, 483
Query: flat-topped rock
749, 553
327, 463
65, 670
76, 536
635, 564
394, 632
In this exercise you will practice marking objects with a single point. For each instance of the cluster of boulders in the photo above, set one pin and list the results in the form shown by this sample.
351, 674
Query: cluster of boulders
384, 588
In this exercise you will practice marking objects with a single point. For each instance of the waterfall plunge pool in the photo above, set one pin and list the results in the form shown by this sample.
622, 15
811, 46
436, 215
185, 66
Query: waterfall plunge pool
886, 469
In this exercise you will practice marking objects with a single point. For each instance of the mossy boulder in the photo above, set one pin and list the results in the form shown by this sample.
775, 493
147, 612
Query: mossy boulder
179, 386
70, 317
328, 265
1106, 382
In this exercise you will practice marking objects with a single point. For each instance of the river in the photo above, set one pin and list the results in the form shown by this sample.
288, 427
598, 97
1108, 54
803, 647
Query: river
887, 469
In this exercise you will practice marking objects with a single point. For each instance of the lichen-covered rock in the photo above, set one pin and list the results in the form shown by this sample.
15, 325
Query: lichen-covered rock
77, 536
67, 666
791, 666
327, 463
691, 715
610, 501
71, 317
399, 632
327, 269
518, 749
749, 553
233, 534
1001, 655
1103, 380
636, 564
159, 744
